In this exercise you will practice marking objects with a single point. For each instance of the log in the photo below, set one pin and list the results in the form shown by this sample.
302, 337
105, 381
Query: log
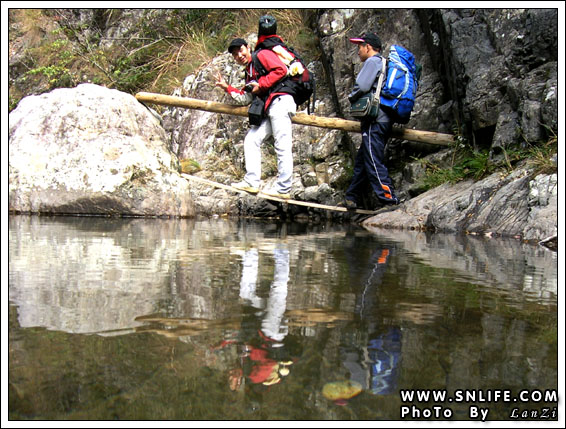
300, 118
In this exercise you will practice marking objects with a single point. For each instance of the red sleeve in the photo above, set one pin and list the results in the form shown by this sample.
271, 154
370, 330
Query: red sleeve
231, 89
275, 68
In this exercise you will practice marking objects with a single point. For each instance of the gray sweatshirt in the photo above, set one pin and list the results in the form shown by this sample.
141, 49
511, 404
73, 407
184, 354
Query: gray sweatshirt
367, 81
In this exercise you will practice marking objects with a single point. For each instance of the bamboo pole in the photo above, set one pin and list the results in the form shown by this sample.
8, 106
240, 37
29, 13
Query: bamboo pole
300, 118
281, 200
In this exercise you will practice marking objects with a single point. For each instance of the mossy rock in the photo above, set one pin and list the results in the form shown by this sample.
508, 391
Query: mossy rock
189, 166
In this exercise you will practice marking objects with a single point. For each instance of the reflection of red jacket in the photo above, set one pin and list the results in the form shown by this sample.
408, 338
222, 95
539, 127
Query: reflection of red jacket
263, 366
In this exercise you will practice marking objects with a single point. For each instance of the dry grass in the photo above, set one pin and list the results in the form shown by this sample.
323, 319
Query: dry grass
541, 157
163, 51
198, 45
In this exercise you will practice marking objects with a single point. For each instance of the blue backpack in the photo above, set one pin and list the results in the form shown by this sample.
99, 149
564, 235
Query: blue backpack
401, 83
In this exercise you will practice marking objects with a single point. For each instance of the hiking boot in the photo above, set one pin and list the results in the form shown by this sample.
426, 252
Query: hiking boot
245, 186
274, 193
387, 208
349, 204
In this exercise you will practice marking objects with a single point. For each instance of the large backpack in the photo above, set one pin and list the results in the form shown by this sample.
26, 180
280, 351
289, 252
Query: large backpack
302, 85
401, 83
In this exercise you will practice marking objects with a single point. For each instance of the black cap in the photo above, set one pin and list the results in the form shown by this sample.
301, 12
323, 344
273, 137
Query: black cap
369, 38
267, 26
236, 43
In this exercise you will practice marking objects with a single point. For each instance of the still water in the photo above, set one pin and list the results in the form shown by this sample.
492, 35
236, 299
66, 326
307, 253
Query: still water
153, 319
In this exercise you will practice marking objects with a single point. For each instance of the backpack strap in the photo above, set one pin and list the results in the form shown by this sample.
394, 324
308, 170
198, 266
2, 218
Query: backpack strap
261, 71
292, 85
257, 65
376, 97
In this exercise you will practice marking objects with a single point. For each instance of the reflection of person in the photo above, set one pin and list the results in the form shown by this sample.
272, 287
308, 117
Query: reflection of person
264, 358
384, 353
272, 327
375, 363
369, 167
366, 302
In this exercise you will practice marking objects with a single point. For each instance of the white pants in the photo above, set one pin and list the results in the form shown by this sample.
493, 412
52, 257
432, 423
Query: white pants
278, 123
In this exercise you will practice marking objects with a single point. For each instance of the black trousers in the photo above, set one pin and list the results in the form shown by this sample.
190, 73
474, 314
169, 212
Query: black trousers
369, 167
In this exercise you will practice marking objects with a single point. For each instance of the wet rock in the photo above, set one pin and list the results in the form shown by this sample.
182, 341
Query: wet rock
543, 205
510, 206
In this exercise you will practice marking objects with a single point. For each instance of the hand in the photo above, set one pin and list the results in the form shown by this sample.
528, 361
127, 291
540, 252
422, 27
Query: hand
235, 377
255, 87
220, 82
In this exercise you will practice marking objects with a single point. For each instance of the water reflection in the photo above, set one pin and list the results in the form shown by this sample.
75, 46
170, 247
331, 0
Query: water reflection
109, 272
272, 309
214, 319
373, 364
503, 263
263, 357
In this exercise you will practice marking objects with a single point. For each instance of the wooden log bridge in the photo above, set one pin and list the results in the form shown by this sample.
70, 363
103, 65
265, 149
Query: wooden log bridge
279, 200
300, 118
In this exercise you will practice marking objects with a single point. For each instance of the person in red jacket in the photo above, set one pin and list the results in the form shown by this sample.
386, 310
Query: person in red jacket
261, 81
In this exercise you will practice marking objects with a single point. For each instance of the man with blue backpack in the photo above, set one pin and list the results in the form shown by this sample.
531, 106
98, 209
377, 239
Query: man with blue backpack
369, 167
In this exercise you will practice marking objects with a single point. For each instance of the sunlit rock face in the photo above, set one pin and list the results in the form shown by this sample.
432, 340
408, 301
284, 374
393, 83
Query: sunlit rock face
92, 150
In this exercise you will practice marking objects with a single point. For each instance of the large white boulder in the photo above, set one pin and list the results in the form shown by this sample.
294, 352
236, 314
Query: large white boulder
92, 150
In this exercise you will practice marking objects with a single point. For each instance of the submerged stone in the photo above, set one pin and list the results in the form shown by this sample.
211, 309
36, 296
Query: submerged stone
339, 391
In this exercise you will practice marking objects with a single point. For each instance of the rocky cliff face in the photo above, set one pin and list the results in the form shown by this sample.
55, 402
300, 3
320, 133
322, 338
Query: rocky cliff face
489, 75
